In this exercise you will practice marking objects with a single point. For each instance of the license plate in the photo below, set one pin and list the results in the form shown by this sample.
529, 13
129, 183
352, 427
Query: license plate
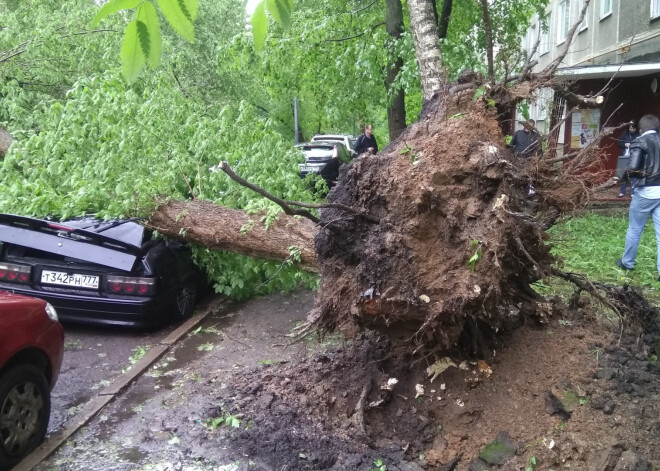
308, 168
76, 280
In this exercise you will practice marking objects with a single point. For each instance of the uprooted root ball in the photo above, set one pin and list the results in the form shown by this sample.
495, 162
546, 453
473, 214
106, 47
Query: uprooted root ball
457, 243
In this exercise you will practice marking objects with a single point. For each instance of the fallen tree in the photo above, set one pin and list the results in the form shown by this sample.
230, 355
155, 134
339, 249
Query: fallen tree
5, 141
437, 239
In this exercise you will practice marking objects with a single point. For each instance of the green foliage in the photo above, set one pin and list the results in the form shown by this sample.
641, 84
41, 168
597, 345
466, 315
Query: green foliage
142, 37
465, 44
259, 24
140, 352
476, 256
93, 145
523, 109
227, 419
533, 462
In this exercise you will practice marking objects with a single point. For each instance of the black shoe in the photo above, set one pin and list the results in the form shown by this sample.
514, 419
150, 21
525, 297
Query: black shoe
619, 262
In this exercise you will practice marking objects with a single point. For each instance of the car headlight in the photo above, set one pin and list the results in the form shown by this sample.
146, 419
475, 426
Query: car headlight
51, 312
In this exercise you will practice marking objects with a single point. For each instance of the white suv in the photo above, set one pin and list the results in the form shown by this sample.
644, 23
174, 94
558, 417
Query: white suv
346, 139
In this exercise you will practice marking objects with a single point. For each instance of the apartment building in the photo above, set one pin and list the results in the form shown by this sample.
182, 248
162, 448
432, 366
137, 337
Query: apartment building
617, 48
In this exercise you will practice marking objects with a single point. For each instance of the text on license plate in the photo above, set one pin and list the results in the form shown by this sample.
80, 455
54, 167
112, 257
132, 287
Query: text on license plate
74, 279
309, 168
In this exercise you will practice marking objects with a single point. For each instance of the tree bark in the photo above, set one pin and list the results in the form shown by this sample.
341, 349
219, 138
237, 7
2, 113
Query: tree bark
396, 111
220, 228
488, 31
443, 20
427, 48
5, 141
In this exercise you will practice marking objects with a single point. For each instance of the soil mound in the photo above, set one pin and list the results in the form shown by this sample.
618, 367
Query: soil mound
457, 243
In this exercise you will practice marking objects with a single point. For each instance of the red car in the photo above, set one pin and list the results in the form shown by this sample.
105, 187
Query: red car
31, 346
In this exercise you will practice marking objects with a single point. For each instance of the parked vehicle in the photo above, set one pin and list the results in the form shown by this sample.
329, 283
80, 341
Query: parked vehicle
346, 139
103, 272
317, 154
31, 346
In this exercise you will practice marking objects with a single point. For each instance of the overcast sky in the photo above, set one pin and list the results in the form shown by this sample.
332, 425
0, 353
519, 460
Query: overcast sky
251, 5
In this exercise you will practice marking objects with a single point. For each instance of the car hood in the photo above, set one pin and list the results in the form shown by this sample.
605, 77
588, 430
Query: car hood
114, 244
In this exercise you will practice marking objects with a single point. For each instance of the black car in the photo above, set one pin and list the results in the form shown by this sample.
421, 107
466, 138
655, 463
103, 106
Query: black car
101, 272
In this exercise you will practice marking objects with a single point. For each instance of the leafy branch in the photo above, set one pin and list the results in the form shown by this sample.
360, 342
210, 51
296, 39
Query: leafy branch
142, 43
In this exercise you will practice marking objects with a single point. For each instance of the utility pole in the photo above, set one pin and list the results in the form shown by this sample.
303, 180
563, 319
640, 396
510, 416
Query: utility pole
296, 131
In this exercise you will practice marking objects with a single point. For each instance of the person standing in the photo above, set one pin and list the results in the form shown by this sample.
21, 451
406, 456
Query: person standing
526, 142
624, 143
644, 165
366, 142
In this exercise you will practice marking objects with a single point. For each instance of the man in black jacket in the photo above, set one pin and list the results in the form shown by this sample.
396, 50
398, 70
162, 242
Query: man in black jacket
526, 142
366, 142
645, 166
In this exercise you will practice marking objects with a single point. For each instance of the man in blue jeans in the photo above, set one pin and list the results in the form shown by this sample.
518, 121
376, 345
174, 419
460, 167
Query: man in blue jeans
645, 165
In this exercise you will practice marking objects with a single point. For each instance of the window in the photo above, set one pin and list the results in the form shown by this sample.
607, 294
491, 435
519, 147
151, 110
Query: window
606, 8
563, 20
585, 22
544, 47
531, 39
655, 8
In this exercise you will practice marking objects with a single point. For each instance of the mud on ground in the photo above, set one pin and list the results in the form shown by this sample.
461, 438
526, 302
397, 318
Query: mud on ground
573, 393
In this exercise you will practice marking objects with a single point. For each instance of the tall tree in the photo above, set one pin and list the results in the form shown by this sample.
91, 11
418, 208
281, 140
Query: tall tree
429, 58
396, 109
443, 18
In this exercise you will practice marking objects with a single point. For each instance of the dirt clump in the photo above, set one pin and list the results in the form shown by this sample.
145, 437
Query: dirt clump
457, 242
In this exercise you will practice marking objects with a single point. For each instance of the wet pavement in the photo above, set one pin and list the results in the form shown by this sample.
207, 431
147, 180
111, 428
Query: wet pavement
93, 357
139, 430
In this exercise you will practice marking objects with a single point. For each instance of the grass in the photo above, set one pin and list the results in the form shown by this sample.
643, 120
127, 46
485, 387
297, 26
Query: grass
591, 243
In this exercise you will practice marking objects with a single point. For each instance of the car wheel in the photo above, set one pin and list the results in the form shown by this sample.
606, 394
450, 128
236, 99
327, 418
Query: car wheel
24, 413
185, 300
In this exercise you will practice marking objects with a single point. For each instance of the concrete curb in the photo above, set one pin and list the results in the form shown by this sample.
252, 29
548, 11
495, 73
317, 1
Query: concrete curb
119, 384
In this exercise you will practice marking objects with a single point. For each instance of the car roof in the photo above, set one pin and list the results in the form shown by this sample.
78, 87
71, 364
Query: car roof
127, 231
114, 244
320, 137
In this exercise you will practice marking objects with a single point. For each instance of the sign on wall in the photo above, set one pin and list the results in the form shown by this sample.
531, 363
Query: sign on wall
584, 127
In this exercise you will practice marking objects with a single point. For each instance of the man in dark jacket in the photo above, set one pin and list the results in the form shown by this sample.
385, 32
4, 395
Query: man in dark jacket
645, 167
526, 142
624, 142
366, 142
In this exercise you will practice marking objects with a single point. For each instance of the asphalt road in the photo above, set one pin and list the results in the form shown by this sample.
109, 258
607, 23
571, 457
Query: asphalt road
93, 357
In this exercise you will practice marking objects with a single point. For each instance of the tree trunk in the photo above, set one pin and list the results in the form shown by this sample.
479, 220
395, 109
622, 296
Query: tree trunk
427, 48
396, 111
443, 21
488, 31
5, 141
220, 228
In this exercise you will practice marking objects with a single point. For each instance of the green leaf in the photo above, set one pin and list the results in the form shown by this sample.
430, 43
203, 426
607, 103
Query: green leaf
281, 11
259, 24
189, 8
176, 17
132, 57
143, 38
148, 18
113, 6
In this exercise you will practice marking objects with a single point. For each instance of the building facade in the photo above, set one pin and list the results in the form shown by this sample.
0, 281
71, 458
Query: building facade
615, 53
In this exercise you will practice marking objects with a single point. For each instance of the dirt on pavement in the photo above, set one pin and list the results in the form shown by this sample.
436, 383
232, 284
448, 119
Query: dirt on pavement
573, 393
